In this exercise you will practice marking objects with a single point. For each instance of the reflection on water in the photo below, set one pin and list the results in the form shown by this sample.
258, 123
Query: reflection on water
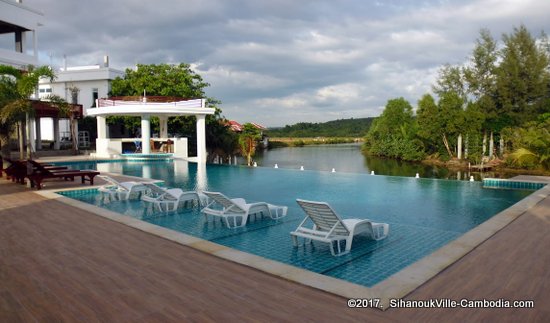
349, 158
344, 158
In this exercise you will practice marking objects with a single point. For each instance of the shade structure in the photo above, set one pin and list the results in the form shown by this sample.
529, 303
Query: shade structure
145, 109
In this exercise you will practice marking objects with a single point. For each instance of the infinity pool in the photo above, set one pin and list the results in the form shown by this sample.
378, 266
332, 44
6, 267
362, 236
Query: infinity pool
424, 214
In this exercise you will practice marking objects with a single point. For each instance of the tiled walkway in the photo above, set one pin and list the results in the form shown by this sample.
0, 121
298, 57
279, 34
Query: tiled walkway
60, 263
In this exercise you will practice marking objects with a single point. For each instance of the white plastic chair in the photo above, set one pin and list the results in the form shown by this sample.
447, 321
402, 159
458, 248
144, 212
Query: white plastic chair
170, 198
114, 189
237, 208
328, 227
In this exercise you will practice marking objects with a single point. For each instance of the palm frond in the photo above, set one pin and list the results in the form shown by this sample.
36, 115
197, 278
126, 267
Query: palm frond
15, 111
61, 104
524, 157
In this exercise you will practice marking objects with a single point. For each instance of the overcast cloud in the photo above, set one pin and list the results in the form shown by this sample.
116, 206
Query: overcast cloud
279, 62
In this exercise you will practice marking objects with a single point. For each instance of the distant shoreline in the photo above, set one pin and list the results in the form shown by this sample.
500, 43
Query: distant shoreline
453, 165
281, 142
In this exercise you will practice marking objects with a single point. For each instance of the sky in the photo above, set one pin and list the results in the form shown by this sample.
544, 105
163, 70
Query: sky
279, 62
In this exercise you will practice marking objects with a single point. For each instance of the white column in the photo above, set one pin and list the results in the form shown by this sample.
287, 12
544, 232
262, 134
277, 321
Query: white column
491, 146
30, 136
146, 172
201, 138
459, 146
202, 179
145, 134
101, 127
38, 134
163, 123
75, 124
34, 44
56, 142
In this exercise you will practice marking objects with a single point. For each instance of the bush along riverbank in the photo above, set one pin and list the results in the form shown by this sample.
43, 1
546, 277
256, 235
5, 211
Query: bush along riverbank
299, 142
483, 113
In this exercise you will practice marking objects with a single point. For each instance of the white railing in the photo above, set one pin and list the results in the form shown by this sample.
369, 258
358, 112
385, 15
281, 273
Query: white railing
196, 103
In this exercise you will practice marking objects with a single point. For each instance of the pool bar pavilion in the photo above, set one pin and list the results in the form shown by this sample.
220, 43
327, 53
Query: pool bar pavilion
163, 108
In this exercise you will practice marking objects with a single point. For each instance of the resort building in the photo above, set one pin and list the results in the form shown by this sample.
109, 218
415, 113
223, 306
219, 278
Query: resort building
81, 85
18, 39
238, 128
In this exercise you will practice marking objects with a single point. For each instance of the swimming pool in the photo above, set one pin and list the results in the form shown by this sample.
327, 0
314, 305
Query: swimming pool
424, 214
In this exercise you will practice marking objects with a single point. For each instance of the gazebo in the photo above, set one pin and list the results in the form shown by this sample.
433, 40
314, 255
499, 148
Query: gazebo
145, 108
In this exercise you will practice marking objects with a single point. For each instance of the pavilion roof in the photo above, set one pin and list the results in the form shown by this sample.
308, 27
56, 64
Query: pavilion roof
44, 109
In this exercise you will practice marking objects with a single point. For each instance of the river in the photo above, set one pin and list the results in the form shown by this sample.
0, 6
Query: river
349, 158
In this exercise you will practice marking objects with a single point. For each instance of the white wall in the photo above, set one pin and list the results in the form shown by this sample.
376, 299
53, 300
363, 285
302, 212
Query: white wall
85, 94
46, 127
86, 79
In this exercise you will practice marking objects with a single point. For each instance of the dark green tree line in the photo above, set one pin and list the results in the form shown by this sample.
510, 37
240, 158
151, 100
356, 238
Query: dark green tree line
500, 92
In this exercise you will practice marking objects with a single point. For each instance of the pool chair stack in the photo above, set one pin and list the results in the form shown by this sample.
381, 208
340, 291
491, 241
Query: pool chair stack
170, 199
238, 210
114, 189
328, 227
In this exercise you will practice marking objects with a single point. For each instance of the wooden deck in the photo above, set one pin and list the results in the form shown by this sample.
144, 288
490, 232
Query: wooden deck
60, 263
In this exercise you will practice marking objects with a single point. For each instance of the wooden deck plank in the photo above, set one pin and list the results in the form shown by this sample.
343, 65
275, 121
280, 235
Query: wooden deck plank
61, 263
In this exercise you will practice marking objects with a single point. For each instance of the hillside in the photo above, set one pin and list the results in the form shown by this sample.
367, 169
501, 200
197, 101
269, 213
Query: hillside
336, 128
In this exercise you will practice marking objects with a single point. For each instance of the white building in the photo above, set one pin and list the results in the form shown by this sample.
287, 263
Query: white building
20, 22
90, 82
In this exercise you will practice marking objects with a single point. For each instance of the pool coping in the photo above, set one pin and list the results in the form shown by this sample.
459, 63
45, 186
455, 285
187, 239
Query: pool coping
396, 286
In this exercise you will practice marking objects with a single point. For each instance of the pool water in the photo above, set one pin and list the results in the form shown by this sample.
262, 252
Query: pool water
424, 214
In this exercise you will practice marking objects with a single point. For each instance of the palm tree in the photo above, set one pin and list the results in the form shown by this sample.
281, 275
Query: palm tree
8, 94
15, 107
248, 140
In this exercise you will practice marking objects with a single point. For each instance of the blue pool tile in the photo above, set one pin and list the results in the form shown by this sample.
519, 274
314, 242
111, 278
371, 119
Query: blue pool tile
423, 214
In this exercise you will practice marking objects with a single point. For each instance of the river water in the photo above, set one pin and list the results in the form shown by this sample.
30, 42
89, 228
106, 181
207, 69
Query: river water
349, 158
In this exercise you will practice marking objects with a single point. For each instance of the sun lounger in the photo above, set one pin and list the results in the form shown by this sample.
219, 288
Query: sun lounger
238, 209
16, 171
37, 173
170, 199
114, 189
328, 227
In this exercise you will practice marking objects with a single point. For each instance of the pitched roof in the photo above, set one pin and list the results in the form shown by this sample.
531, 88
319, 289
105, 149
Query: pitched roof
237, 127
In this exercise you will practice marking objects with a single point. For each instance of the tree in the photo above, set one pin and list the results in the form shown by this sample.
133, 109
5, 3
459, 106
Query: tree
248, 140
523, 78
427, 116
178, 81
8, 94
481, 77
450, 79
530, 143
394, 133
18, 108
222, 141
451, 118
162, 79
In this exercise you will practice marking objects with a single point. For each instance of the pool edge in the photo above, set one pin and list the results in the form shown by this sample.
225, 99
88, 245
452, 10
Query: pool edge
396, 286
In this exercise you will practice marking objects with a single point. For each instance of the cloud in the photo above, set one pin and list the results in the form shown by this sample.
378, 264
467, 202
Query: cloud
281, 62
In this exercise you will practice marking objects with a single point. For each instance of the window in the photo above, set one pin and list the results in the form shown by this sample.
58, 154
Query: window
95, 96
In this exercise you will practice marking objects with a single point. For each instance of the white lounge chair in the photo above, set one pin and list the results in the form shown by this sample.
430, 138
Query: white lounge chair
328, 227
122, 190
238, 209
170, 198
